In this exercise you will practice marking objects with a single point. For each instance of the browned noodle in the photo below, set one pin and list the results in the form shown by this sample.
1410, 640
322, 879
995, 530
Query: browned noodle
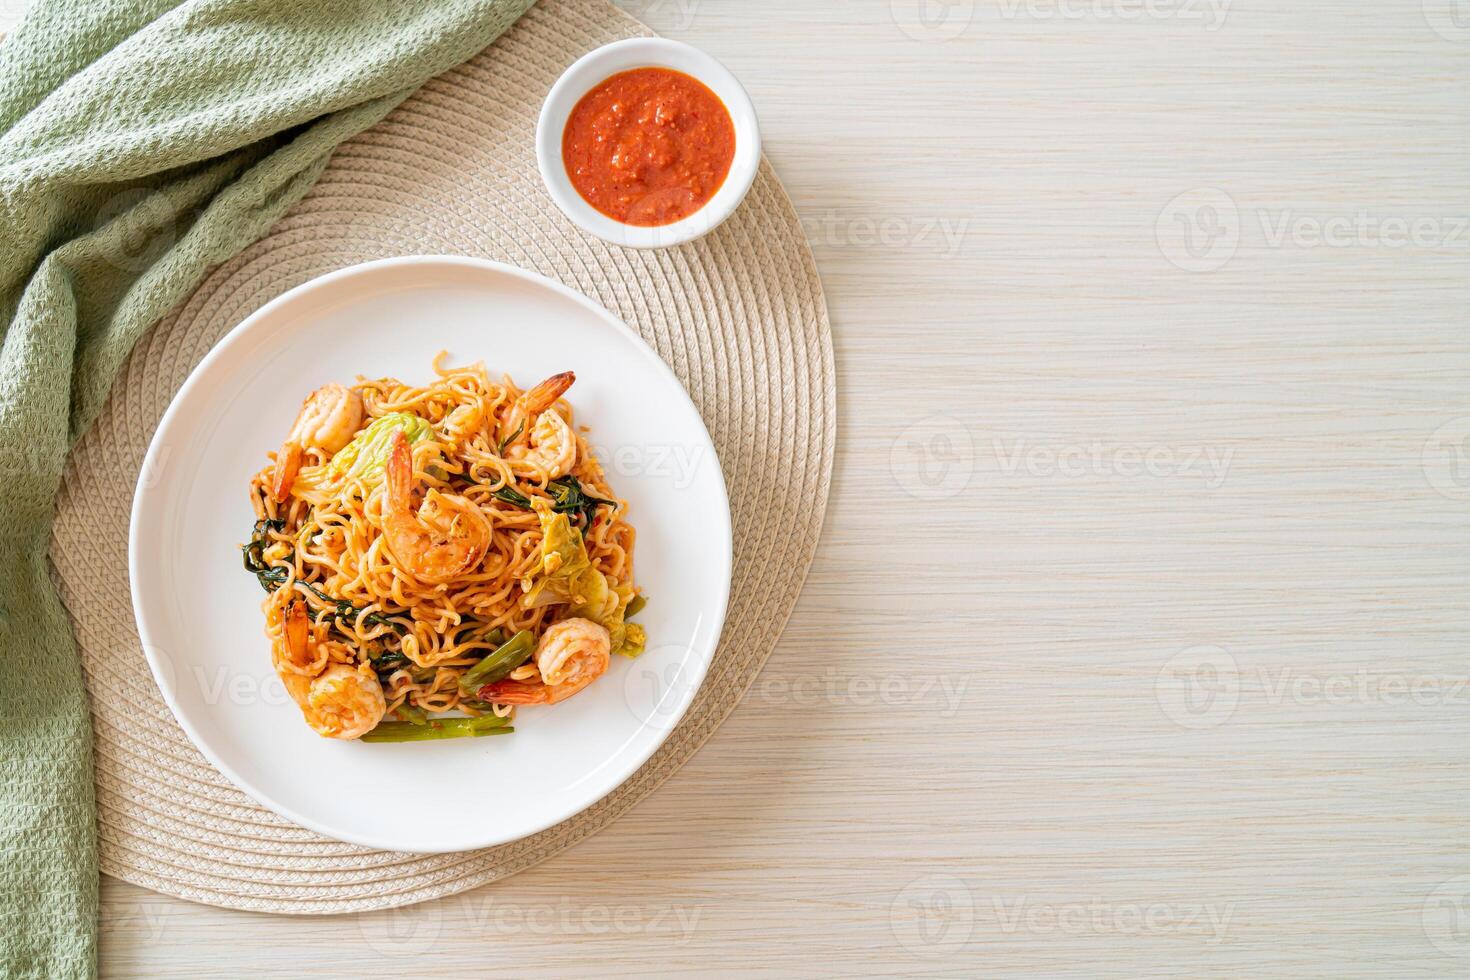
331, 539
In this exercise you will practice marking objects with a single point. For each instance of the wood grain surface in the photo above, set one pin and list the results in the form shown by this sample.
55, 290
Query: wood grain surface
1136, 644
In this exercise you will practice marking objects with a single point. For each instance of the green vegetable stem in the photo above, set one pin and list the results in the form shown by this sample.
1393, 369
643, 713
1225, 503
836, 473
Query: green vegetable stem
404, 731
499, 664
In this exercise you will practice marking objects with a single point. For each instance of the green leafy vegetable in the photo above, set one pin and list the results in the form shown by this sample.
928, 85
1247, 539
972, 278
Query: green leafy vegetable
404, 731
388, 662
566, 571
635, 640
510, 495
500, 449
568, 576
568, 497
272, 577
499, 664
366, 455
348, 613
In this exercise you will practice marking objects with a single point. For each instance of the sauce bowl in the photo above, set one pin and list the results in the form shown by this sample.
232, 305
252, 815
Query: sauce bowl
592, 70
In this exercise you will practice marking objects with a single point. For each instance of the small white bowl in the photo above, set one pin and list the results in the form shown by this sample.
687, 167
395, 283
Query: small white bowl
646, 52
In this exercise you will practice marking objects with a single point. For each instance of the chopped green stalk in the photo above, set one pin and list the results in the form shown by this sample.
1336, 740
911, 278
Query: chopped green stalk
402, 731
473, 634
412, 714
635, 606
475, 704
499, 664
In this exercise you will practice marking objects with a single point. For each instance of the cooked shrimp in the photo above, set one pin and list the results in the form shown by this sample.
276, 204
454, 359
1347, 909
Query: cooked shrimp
337, 701
553, 447
342, 702
448, 535
572, 654
536, 433
329, 418
533, 402
465, 420
297, 652
288, 464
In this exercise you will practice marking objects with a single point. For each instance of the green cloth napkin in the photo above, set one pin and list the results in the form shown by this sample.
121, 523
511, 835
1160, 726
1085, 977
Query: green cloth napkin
144, 141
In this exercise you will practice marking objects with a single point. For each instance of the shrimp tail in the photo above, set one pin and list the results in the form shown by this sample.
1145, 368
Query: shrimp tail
544, 395
298, 630
288, 464
446, 537
399, 474
516, 426
514, 692
297, 652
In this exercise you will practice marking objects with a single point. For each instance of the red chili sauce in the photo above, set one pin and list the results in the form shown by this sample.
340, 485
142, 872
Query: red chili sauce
649, 146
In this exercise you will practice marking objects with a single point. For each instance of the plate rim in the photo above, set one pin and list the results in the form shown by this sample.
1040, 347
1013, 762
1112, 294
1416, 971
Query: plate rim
236, 335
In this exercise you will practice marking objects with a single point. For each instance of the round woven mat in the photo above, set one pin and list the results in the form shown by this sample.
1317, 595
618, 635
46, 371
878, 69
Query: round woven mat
739, 316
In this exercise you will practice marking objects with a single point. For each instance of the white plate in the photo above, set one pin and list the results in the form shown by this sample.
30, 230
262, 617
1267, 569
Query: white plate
199, 611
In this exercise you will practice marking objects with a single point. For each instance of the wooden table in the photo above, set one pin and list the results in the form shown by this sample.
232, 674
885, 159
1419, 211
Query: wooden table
1136, 644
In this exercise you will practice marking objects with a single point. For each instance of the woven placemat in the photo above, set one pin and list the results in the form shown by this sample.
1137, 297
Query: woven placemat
739, 316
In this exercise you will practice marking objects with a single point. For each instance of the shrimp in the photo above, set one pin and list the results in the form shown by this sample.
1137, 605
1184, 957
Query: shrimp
288, 464
329, 418
534, 402
448, 535
338, 701
572, 654
465, 419
545, 441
